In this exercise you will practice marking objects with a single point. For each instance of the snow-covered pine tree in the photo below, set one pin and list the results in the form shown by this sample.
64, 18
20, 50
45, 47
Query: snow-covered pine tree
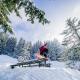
22, 50
72, 38
19, 50
3, 40
10, 46
26, 52
28, 47
54, 49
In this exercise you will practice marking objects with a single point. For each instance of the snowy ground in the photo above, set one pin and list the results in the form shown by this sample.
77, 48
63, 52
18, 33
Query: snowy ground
57, 71
73, 64
6, 61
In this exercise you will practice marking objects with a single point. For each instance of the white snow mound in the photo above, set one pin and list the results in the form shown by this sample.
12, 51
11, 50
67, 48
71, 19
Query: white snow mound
6, 61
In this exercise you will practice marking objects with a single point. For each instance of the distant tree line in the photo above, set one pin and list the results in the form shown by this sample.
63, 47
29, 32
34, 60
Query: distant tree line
23, 50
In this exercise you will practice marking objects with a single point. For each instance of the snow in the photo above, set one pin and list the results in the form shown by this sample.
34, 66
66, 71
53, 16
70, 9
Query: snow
6, 61
57, 71
74, 64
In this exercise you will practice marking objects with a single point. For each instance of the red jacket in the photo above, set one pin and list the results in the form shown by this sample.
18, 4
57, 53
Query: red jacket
43, 49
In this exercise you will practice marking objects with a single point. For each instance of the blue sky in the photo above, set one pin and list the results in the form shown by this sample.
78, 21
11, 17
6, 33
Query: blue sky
57, 11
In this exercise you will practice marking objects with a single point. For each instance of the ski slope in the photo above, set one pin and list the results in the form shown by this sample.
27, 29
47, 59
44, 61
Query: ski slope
57, 71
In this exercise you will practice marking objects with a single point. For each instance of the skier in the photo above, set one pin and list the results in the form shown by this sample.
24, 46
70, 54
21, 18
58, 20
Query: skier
44, 50
42, 53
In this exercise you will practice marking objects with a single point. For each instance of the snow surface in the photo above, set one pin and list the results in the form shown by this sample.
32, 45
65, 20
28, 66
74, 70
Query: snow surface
73, 64
6, 61
57, 71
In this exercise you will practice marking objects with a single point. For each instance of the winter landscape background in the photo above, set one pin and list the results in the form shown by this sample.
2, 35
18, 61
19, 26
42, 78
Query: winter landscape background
25, 25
